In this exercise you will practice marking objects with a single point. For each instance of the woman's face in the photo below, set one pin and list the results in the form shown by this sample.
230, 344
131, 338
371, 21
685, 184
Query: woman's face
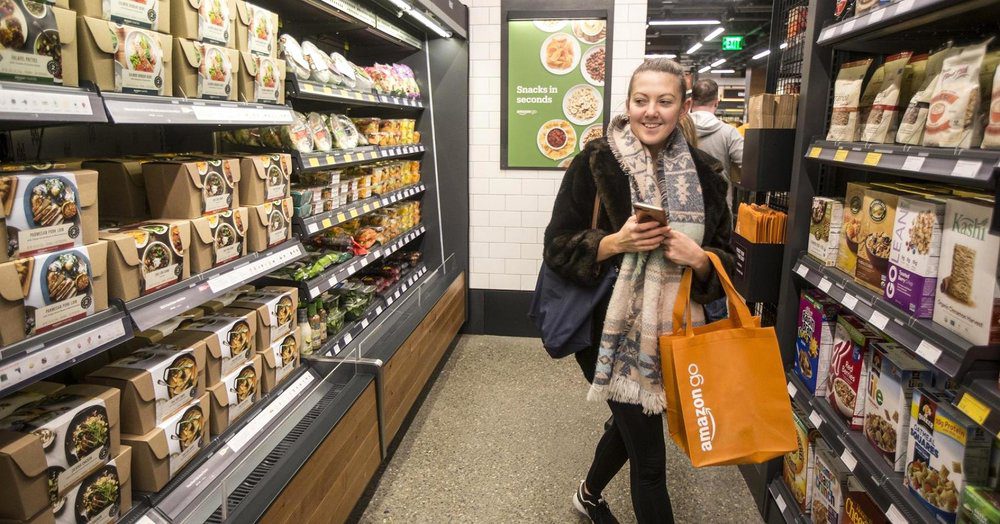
655, 106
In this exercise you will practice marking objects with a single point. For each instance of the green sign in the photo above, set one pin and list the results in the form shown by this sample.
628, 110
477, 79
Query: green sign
732, 43
555, 90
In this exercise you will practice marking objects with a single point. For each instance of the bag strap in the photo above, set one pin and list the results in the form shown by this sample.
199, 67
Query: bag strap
597, 208
682, 305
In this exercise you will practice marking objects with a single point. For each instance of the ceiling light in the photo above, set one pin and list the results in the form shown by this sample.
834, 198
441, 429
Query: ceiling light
403, 6
719, 62
706, 68
761, 54
693, 48
718, 31
430, 24
667, 55
684, 22
783, 45
723, 71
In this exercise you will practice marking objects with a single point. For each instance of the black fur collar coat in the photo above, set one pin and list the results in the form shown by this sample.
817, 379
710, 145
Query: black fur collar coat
571, 245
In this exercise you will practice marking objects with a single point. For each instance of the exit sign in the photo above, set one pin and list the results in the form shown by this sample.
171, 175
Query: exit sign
732, 43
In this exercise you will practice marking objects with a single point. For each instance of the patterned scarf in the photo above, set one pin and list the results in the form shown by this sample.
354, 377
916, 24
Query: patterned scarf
642, 303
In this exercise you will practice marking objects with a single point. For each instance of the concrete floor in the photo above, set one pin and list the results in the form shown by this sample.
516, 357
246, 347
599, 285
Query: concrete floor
506, 435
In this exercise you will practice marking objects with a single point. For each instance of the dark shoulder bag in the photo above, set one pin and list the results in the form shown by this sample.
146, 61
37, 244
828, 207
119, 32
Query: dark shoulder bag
563, 311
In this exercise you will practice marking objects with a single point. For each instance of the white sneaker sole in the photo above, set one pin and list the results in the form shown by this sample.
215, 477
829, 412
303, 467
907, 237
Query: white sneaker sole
579, 506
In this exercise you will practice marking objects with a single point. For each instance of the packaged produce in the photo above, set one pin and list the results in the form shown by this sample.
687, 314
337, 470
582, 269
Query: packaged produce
49, 446
991, 135
275, 309
210, 21
877, 221
159, 455
262, 79
297, 136
967, 300
317, 60
229, 339
894, 376
190, 187
155, 382
882, 120
280, 358
295, 59
345, 134
205, 70
825, 225
846, 97
814, 342
859, 508
256, 30
143, 68
121, 190
344, 69
46, 212
843, 10
915, 254
911, 125
147, 257
265, 178
42, 51
849, 369
798, 467
321, 138
980, 505
830, 487
410, 80
947, 450
234, 395
954, 101
217, 239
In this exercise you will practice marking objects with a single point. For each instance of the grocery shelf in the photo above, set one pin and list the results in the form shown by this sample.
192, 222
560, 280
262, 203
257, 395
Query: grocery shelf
980, 400
311, 225
899, 17
943, 349
319, 160
965, 167
155, 308
144, 109
308, 90
785, 502
43, 355
883, 485
30, 105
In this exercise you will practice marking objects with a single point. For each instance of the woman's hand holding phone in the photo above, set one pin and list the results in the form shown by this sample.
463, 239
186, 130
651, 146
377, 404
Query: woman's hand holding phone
636, 236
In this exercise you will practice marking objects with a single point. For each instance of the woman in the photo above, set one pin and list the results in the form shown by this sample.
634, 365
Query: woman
644, 158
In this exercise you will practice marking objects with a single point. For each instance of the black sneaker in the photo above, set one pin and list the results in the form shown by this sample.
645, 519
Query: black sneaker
598, 511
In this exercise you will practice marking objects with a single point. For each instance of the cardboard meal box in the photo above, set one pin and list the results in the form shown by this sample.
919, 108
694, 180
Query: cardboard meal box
125, 59
229, 338
217, 239
262, 79
826, 221
270, 224
234, 395
157, 456
256, 30
27, 395
849, 369
190, 187
850, 238
859, 508
39, 45
894, 375
798, 467
280, 359
947, 451
967, 301
877, 221
814, 340
154, 335
147, 14
915, 255
155, 381
59, 440
223, 301
275, 309
830, 485
46, 212
121, 189
47, 291
264, 178
147, 257
210, 21
980, 505
205, 71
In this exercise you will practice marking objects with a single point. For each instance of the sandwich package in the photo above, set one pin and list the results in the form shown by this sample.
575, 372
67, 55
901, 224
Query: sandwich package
147, 257
48, 211
849, 369
830, 485
264, 178
825, 224
270, 224
146, 14
218, 239
967, 301
159, 455
155, 382
280, 359
44, 292
911, 125
846, 100
38, 44
209, 21
205, 71
814, 340
262, 79
125, 59
121, 188
229, 339
954, 102
883, 118
49, 446
798, 467
190, 187
234, 395
877, 221
915, 254
256, 30
274, 307
894, 376
850, 237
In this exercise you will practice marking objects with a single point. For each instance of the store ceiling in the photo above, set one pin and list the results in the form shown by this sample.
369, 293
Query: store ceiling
750, 18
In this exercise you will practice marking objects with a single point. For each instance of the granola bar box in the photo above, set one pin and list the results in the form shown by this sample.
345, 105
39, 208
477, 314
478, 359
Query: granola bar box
147, 257
191, 187
850, 235
967, 301
894, 375
980, 505
878, 218
848, 380
947, 451
229, 336
159, 455
217, 239
914, 255
825, 224
830, 486
232, 397
814, 340
798, 467
48, 211
125, 59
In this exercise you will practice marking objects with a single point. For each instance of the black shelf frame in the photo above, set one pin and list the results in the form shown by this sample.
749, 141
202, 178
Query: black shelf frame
26, 105
785, 503
320, 160
979, 398
308, 90
311, 225
893, 19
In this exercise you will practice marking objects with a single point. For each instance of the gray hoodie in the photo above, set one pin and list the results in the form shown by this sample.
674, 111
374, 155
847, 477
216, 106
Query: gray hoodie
718, 139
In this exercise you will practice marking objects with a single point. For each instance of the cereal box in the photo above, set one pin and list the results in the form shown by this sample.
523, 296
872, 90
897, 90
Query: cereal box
850, 237
913, 257
947, 450
859, 508
848, 380
825, 225
798, 466
814, 342
979, 506
830, 486
894, 375
968, 297
877, 221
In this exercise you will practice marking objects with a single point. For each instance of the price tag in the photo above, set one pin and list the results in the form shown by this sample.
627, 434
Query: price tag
850, 301
145, 520
348, 338
780, 501
876, 16
840, 155
966, 168
331, 160
848, 26
366, 208
895, 516
396, 295
802, 270
913, 163
972, 407
312, 228
364, 323
389, 301
333, 281
314, 162
327, 223
336, 349
872, 159
848, 459
341, 217
815, 152
904, 6
825, 285
792, 390
349, 157
378, 310
314, 292
385, 201
928, 351
351, 269
354, 213
816, 419
878, 320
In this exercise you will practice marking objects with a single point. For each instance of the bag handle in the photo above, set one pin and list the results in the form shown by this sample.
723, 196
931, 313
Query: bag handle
682, 305
597, 208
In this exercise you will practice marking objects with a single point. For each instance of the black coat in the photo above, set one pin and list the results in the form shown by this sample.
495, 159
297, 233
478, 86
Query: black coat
571, 246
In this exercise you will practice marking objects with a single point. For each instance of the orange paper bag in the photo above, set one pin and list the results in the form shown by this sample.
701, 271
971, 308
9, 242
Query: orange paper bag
727, 401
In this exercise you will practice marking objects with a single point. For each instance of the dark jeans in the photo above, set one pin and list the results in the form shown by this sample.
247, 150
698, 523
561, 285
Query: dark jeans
716, 310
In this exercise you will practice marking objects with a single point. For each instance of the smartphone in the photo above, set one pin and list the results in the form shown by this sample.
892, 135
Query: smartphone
650, 213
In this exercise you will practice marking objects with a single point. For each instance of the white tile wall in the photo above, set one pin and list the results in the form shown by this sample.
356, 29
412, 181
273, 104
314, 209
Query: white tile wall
509, 209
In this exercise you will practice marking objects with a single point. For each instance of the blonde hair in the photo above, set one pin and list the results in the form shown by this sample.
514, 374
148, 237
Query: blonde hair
659, 65
686, 124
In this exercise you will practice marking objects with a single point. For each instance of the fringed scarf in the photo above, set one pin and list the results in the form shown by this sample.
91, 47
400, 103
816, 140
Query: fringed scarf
641, 307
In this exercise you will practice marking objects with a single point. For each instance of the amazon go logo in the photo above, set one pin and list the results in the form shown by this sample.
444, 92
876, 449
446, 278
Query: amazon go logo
705, 419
